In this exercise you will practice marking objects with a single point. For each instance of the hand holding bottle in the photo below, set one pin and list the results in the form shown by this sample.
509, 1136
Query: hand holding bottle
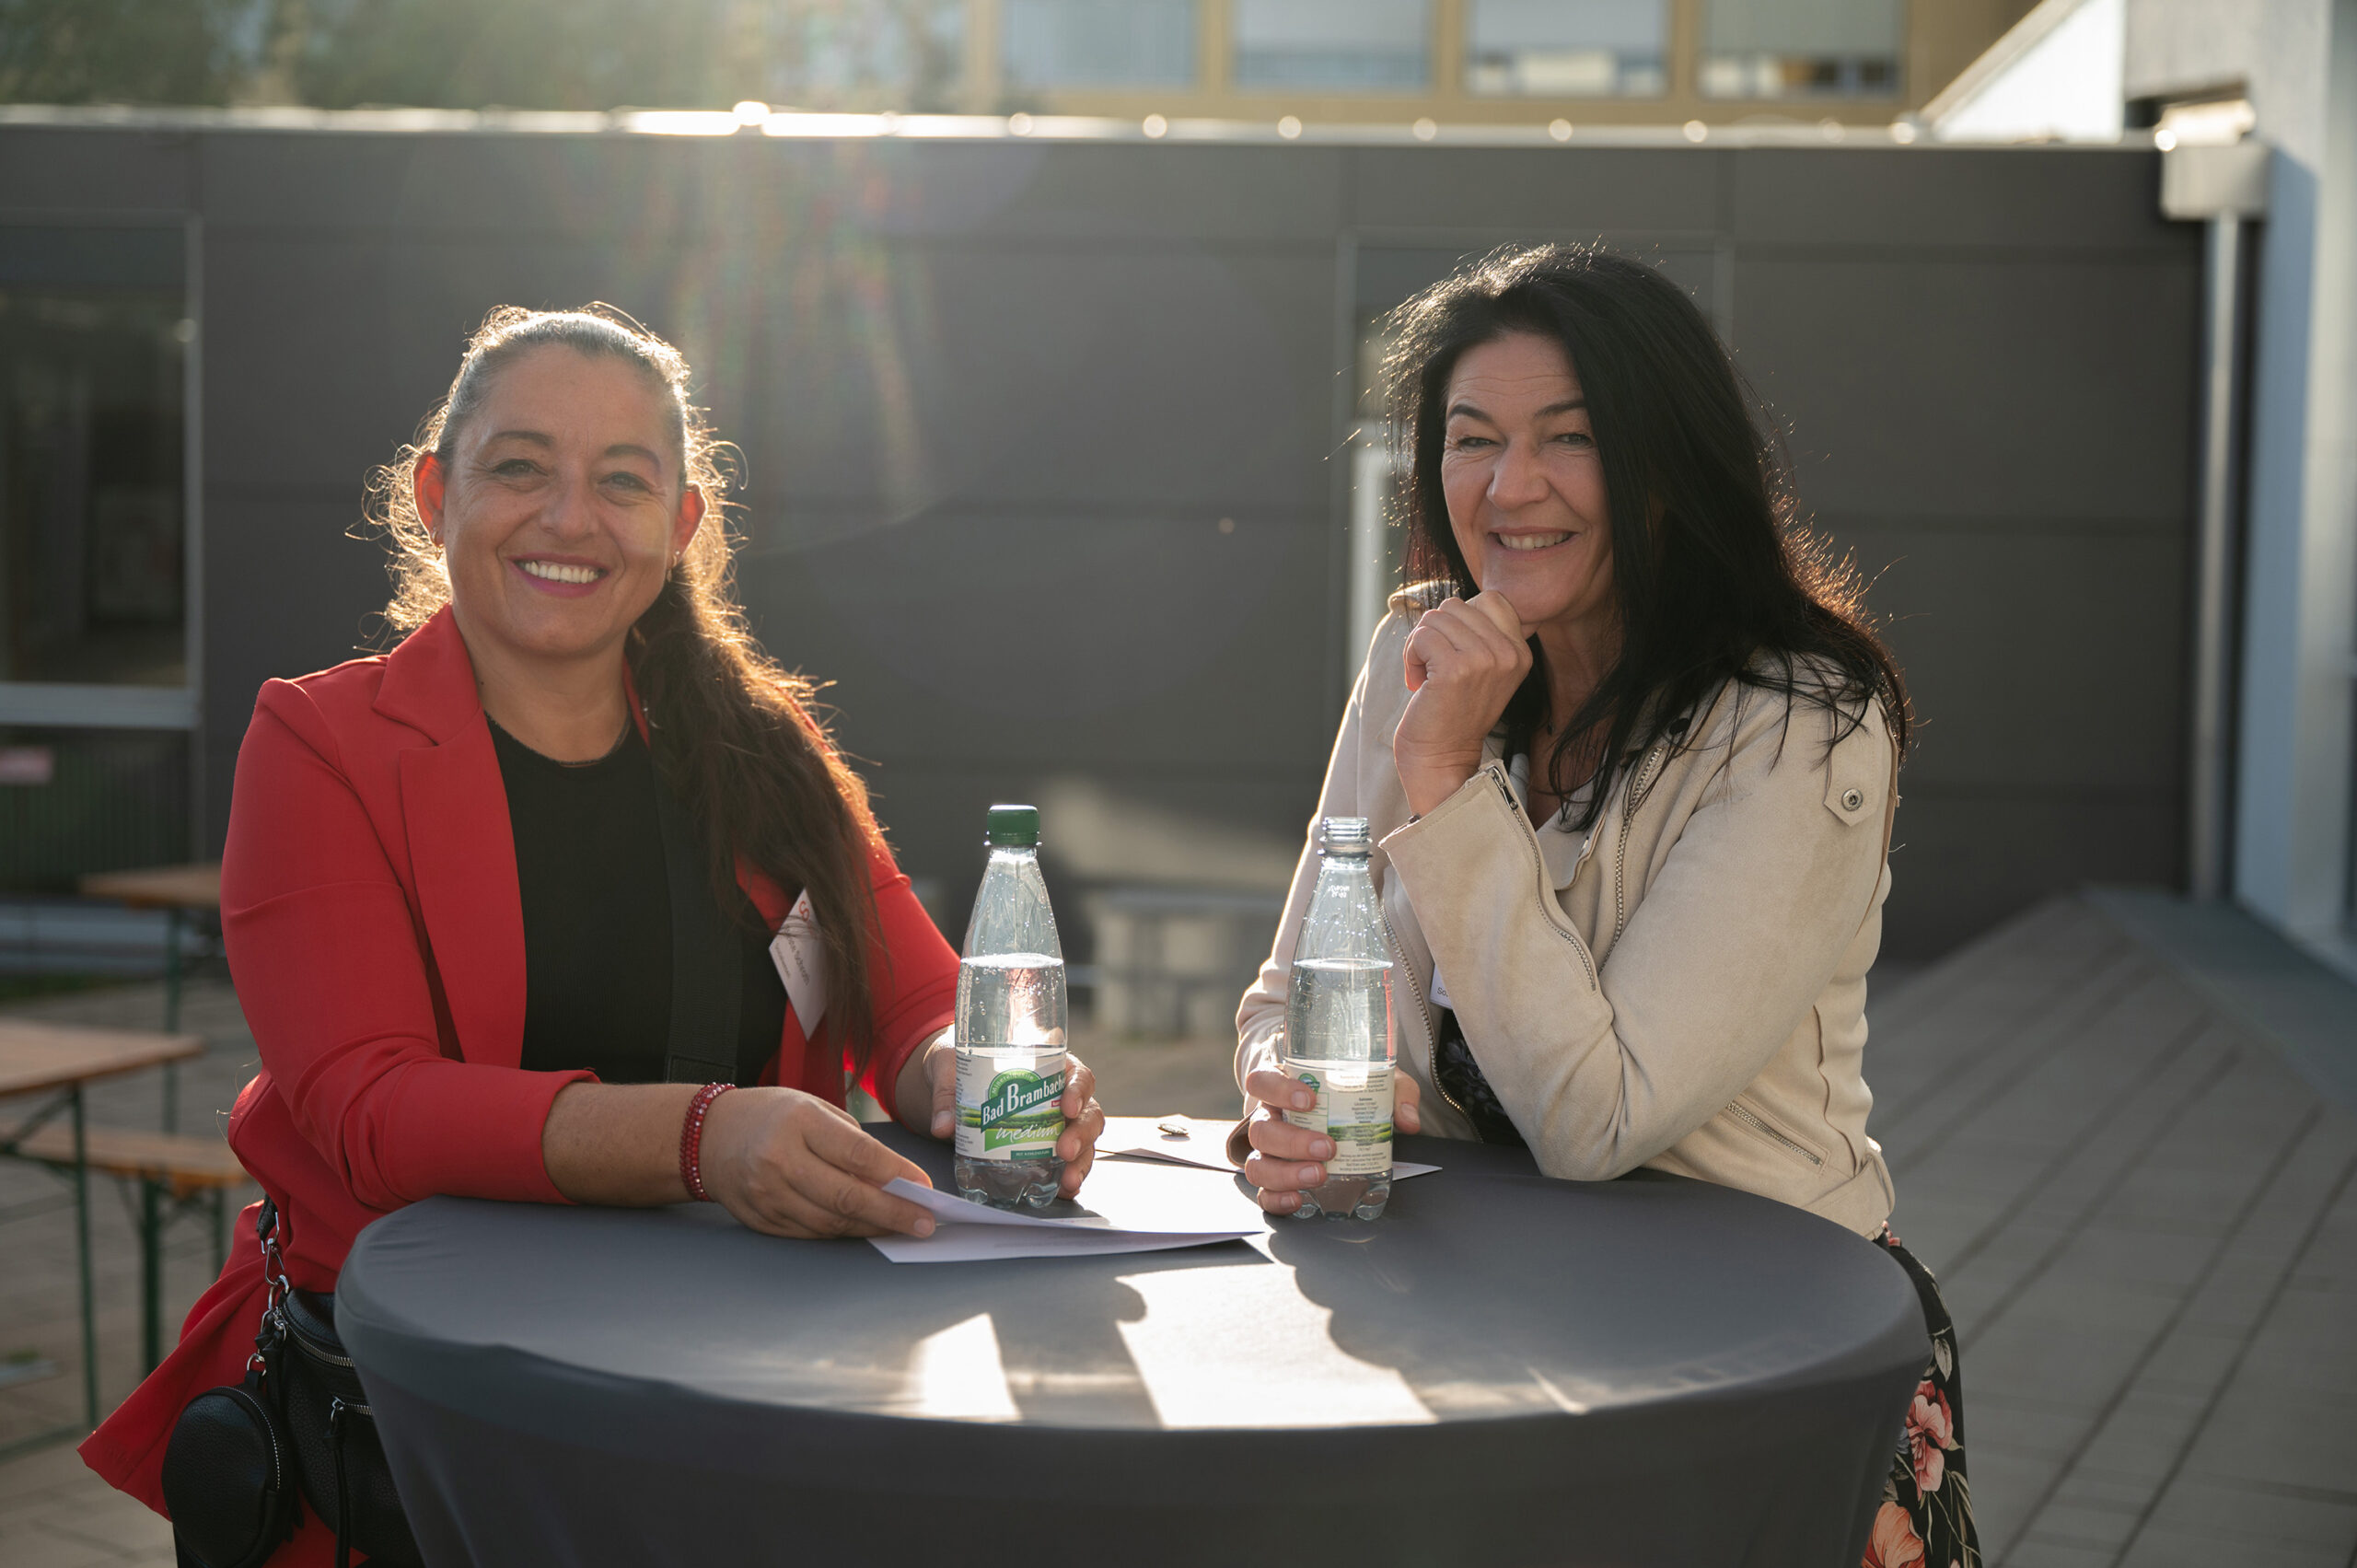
1286, 1160
1084, 1118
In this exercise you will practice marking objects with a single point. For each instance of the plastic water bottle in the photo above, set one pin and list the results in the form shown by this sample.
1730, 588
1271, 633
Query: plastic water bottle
1339, 1029
1011, 1023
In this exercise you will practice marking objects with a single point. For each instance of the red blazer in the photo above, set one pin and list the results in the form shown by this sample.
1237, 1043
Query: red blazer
374, 929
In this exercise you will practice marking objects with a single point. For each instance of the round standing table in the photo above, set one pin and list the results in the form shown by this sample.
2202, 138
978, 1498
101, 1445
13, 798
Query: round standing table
1505, 1370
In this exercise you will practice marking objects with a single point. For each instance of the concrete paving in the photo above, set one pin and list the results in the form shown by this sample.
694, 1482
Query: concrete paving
2143, 1219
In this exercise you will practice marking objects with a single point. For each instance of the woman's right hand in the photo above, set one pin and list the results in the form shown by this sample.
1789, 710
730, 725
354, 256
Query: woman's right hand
1286, 1159
1463, 662
787, 1163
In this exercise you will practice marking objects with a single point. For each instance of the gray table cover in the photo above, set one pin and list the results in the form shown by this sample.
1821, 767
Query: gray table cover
1505, 1370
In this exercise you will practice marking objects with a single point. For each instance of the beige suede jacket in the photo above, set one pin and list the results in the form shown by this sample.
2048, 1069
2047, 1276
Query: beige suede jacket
1682, 987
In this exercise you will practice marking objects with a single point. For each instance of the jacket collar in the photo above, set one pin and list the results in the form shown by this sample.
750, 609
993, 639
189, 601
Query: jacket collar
429, 682
462, 849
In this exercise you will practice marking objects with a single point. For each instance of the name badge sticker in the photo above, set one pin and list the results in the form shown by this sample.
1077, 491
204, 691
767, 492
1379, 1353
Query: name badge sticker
800, 957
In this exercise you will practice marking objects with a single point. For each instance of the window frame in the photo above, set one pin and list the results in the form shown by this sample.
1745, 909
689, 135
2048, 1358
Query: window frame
59, 704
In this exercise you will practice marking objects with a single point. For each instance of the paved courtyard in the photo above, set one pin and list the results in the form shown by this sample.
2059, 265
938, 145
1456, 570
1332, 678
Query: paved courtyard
2142, 1216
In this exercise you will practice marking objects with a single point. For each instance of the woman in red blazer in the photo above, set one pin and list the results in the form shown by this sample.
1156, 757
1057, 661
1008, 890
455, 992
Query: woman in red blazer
431, 941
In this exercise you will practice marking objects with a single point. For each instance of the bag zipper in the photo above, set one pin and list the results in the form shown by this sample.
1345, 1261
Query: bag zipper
270, 1435
311, 1347
1758, 1124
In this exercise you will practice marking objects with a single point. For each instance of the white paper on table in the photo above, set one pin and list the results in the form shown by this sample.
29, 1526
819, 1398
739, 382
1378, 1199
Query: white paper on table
1201, 1144
1133, 1209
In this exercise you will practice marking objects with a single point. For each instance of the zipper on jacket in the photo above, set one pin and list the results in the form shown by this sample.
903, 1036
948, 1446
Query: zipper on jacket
1423, 1009
1758, 1124
1545, 887
1638, 783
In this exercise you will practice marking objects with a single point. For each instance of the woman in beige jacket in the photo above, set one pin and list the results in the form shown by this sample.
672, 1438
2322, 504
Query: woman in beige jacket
1629, 751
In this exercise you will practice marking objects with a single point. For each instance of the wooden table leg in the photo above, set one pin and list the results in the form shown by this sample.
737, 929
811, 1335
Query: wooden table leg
172, 924
151, 1269
82, 1244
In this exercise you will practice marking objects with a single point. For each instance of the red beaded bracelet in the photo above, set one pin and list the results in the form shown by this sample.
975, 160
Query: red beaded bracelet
691, 1140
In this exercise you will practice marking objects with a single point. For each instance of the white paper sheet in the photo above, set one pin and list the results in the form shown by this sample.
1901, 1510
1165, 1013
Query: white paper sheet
1183, 1140
1136, 1208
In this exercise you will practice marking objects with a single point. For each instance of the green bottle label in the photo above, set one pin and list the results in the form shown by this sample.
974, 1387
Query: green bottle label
1353, 1108
1012, 1114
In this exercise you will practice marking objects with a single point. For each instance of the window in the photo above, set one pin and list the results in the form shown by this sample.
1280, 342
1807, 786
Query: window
1333, 45
1801, 48
79, 800
1098, 43
909, 50
1567, 48
93, 343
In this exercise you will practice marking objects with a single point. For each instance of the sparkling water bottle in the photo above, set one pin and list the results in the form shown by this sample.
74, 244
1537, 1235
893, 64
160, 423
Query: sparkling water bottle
1011, 1021
1339, 1029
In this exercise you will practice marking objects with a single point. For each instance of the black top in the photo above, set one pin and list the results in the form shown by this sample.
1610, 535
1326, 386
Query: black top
597, 920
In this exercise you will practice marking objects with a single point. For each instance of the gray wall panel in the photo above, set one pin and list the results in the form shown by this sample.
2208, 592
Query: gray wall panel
1178, 378
54, 171
1030, 191
1951, 388
2044, 198
377, 326
287, 592
994, 399
1063, 643
1549, 190
2045, 661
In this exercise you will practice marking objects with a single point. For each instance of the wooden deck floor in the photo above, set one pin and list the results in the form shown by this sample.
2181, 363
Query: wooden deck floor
2144, 1222
2143, 1218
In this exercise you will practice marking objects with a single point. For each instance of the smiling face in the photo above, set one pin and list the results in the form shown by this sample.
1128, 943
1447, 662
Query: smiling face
1526, 491
561, 508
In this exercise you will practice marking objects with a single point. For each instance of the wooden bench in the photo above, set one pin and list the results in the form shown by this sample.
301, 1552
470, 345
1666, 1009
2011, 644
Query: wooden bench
61, 1061
188, 1169
183, 1164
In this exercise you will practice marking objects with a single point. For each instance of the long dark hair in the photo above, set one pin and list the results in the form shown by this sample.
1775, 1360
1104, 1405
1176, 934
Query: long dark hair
1715, 574
736, 735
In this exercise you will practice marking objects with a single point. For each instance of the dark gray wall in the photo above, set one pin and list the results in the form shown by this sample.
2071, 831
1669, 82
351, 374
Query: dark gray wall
994, 398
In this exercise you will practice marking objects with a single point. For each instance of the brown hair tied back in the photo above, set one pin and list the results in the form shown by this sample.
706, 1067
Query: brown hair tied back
735, 735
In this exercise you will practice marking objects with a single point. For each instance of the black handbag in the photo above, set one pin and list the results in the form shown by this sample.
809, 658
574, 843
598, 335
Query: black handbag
229, 1477
337, 1451
300, 1422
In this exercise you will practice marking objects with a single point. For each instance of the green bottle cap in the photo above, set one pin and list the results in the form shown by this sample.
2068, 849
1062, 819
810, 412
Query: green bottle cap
1013, 826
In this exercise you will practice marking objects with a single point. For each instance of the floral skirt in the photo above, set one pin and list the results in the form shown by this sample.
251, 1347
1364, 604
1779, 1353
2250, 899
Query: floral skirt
1926, 1513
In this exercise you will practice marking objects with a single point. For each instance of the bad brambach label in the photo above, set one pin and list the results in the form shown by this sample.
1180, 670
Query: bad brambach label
1010, 1113
1353, 1109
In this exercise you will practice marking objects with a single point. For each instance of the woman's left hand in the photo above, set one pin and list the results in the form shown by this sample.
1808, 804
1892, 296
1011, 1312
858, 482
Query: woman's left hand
1084, 1118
